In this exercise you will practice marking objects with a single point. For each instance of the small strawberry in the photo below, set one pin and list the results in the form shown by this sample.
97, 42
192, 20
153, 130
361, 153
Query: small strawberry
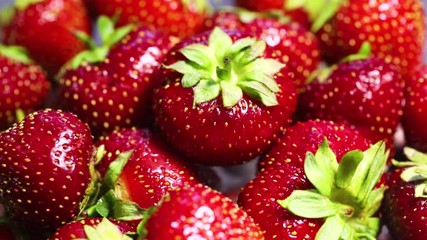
95, 228
151, 171
46, 28
24, 85
405, 203
367, 93
340, 184
181, 18
110, 86
198, 212
44, 184
224, 99
415, 111
287, 42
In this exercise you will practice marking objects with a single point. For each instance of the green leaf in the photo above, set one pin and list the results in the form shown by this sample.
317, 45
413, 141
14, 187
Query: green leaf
415, 156
363, 53
332, 229
92, 233
20, 115
106, 27
246, 16
23, 4
127, 211
141, 230
260, 92
190, 79
84, 37
119, 34
105, 230
266, 65
347, 168
321, 168
181, 67
115, 169
240, 45
256, 50
6, 15
309, 204
197, 53
321, 17
205, 91
421, 190
415, 173
16, 53
373, 202
100, 152
265, 79
231, 94
220, 42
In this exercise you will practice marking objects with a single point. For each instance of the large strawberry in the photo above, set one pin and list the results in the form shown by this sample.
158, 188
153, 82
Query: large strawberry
224, 100
24, 85
415, 110
405, 203
180, 18
47, 29
44, 169
307, 158
366, 93
198, 212
110, 85
288, 42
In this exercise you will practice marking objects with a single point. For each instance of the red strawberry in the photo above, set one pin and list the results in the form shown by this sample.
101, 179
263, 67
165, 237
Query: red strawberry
181, 18
47, 29
415, 111
405, 203
111, 89
198, 212
220, 103
394, 28
95, 228
44, 184
367, 94
291, 168
6, 233
152, 170
287, 42
24, 85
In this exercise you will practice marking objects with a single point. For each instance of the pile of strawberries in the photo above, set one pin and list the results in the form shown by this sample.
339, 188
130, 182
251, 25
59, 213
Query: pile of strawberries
120, 136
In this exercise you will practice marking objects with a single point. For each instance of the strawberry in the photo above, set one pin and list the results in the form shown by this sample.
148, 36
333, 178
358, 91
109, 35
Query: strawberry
367, 93
110, 86
335, 163
198, 212
46, 28
414, 112
224, 99
181, 18
94, 228
394, 28
287, 42
6, 233
44, 184
405, 205
152, 170
25, 85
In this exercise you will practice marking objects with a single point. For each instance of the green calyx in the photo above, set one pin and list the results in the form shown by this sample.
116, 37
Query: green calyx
416, 170
105, 230
319, 11
16, 53
199, 5
229, 70
344, 193
7, 14
108, 35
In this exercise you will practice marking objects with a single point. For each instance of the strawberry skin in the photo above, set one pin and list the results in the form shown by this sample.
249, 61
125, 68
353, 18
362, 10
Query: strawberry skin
46, 29
116, 92
395, 30
180, 18
198, 212
153, 169
367, 94
43, 186
415, 110
24, 87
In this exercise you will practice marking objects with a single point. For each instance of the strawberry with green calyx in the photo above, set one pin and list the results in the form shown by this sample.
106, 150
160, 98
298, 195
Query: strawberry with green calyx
46, 29
110, 85
25, 85
216, 84
405, 202
344, 193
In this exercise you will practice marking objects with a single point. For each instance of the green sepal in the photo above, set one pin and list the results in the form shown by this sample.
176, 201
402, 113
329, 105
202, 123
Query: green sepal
374, 202
260, 92
415, 156
105, 230
16, 53
205, 91
115, 169
321, 14
23, 4
415, 173
421, 190
7, 14
219, 43
141, 229
231, 94
20, 115
332, 229
363, 53
309, 204
110, 205
199, 5
196, 53
347, 168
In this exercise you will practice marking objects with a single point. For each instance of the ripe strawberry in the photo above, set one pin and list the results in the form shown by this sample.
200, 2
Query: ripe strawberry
44, 184
414, 112
405, 203
111, 88
288, 42
95, 228
152, 170
395, 30
367, 94
220, 103
6, 233
24, 85
46, 28
291, 168
198, 212
181, 18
